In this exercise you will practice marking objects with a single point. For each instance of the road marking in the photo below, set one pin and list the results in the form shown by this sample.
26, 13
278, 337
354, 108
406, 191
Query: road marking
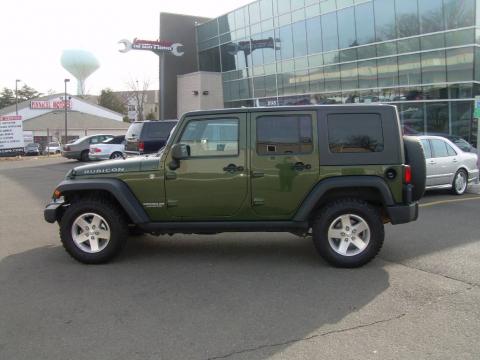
449, 201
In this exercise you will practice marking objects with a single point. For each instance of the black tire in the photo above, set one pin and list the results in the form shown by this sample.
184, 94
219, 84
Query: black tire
415, 157
84, 156
116, 155
115, 220
461, 191
356, 209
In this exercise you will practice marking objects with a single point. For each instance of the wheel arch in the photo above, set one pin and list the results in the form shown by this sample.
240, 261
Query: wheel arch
371, 189
114, 190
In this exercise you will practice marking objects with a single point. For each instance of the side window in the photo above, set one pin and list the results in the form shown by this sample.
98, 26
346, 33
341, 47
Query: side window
94, 140
451, 151
426, 149
355, 133
212, 137
438, 148
288, 134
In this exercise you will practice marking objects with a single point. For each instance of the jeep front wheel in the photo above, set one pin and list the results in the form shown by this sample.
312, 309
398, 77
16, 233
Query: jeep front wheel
93, 231
348, 233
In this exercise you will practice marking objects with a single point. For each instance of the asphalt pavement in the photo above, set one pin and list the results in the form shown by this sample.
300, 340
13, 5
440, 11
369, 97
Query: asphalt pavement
235, 296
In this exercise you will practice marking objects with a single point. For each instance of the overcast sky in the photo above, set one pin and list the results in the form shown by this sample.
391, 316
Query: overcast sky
34, 33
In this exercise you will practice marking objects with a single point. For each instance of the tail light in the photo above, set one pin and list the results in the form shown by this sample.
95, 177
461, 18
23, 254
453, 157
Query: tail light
141, 146
95, 150
407, 174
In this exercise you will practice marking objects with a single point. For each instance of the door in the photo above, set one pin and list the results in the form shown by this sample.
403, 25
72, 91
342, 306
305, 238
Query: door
212, 182
284, 161
441, 163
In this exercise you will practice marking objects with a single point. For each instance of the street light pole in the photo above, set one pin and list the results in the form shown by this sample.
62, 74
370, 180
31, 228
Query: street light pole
16, 96
65, 106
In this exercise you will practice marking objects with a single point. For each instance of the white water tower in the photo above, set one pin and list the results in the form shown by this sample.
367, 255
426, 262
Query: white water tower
81, 64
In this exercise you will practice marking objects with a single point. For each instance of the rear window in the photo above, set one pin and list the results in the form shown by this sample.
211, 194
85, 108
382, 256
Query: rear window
355, 133
157, 130
134, 130
115, 140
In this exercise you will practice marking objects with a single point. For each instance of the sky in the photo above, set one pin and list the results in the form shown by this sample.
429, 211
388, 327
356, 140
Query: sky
34, 34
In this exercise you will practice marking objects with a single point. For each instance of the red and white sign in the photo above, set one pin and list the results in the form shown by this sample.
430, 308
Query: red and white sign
50, 104
11, 134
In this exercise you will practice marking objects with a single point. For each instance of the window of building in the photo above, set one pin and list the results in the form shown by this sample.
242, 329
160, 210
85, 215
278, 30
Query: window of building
317, 82
355, 133
433, 67
241, 17
346, 32
385, 27
216, 137
409, 69
459, 13
461, 118
259, 86
266, 9
329, 32
408, 45
407, 18
331, 74
300, 39
283, 6
289, 134
430, 42
438, 148
387, 72
314, 35
349, 76
367, 74
364, 21
460, 64
437, 117
209, 60
286, 41
229, 52
431, 16
254, 12
412, 116
367, 52
461, 37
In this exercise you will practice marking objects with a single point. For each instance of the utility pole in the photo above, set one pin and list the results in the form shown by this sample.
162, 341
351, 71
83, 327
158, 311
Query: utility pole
65, 105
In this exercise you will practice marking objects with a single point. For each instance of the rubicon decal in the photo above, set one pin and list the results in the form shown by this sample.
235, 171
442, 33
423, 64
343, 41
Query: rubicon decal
103, 171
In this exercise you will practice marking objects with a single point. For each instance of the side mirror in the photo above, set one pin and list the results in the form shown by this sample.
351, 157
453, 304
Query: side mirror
179, 152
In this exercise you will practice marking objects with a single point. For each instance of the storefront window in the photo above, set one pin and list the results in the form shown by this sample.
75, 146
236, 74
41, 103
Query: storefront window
412, 118
461, 118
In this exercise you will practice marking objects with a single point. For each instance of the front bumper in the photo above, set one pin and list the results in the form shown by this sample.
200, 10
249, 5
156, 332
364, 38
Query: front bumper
401, 214
52, 211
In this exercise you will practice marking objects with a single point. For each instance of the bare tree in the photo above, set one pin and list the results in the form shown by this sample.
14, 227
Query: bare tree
138, 91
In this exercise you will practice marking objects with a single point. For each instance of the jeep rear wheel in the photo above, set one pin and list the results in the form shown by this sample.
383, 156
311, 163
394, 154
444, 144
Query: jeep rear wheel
93, 231
348, 233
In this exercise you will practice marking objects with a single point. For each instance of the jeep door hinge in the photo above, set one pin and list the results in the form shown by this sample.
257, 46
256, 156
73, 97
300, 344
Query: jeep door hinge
172, 203
258, 201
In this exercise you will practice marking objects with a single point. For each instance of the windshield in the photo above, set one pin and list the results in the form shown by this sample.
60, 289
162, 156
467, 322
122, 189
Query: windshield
134, 131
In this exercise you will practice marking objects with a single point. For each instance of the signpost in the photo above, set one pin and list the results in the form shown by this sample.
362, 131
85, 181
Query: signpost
11, 135
159, 47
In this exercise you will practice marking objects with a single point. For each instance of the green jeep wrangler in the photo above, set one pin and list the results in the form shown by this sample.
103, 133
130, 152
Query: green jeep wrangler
337, 173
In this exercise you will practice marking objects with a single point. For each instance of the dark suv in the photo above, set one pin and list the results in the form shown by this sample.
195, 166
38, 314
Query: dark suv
147, 137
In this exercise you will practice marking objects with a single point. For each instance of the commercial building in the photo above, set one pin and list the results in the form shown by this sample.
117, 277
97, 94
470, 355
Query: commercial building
421, 55
44, 118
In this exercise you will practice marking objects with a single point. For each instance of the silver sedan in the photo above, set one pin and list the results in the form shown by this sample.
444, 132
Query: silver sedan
448, 167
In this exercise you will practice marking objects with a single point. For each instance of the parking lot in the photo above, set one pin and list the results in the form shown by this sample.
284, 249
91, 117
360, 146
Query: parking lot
235, 296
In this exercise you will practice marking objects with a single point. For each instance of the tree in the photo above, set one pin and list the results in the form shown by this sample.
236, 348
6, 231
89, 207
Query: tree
139, 95
111, 101
7, 98
26, 93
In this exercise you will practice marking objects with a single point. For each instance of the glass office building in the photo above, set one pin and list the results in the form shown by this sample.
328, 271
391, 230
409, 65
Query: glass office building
421, 55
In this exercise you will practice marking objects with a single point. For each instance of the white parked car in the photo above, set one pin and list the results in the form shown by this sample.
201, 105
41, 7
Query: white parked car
113, 148
53, 148
448, 167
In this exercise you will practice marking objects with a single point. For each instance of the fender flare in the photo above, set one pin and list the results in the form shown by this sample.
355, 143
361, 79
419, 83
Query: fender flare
117, 188
310, 202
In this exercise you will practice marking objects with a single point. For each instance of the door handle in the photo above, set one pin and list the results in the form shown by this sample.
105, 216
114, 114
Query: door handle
231, 168
455, 160
300, 166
